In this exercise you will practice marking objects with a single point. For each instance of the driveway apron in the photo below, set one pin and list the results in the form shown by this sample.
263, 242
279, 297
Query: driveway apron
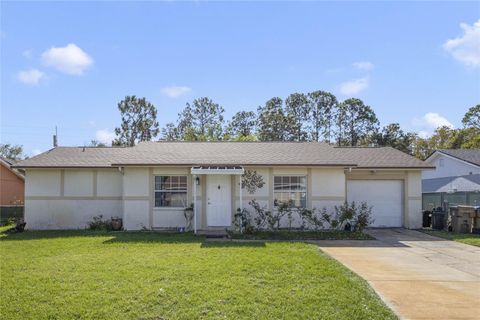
417, 275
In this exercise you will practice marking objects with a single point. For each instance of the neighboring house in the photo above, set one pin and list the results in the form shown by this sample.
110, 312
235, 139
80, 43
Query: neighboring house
12, 189
453, 163
455, 180
149, 185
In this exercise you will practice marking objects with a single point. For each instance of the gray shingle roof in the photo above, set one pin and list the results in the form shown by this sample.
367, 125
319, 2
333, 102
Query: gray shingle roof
448, 184
384, 157
73, 157
225, 153
469, 155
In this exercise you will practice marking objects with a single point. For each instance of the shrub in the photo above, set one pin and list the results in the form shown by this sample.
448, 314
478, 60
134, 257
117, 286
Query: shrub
348, 216
261, 214
311, 217
363, 217
342, 215
243, 221
100, 224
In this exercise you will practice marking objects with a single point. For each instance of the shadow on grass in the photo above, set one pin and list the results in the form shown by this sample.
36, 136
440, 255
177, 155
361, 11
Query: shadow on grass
110, 237
230, 244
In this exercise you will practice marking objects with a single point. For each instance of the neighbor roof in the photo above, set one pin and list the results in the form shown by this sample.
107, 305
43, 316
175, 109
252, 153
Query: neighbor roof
468, 155
448, 184
9, 165
225, 153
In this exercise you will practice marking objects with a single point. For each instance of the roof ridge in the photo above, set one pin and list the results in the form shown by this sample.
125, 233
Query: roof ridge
178, 141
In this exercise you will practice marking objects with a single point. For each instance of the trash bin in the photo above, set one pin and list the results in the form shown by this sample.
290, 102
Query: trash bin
476, 223
427, 219
463, 219
438, 220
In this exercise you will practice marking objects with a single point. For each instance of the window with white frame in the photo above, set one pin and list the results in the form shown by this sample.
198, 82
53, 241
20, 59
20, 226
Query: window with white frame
171, 191
290, 189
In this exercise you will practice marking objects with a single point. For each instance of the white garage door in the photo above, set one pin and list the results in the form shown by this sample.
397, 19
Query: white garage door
384, 195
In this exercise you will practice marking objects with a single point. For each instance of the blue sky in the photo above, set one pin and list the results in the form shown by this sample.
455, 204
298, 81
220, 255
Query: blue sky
68, 64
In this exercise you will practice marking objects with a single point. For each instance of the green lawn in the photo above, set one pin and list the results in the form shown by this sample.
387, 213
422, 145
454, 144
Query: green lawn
147, 275
471, 239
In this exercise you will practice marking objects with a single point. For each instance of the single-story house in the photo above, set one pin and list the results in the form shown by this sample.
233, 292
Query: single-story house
12, 190
149, 185
453, 163
455, 180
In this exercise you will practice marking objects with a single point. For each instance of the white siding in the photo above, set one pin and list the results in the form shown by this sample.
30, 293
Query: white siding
451, 167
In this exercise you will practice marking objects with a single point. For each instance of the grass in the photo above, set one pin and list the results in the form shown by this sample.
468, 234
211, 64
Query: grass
471, 239
303, 235
147, 275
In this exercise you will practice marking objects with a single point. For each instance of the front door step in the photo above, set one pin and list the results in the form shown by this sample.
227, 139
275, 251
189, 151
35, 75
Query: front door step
213, 233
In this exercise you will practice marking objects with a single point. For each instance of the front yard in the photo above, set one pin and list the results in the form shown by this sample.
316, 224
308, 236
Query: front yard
471, 239
146, 275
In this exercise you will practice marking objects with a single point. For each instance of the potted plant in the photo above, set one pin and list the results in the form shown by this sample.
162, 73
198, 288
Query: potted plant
116, 223
188, 214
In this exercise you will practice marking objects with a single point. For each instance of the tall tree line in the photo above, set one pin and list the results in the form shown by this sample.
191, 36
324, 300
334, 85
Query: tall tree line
313, 116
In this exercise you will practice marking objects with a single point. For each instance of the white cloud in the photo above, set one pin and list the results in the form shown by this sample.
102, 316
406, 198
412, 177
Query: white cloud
363, 65
36, 152
466, 48
70, 59
104, 136
429, 122
354, 86
175, 91
30, 77
424, 134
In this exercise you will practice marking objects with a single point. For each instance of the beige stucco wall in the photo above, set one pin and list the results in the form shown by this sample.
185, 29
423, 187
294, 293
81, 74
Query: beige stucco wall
109, 183
42, 182
325, 188
414, 200
137, 184
70, 198
68, 214
78, 182
67, 198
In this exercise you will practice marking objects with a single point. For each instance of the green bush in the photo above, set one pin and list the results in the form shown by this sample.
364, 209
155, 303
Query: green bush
348, 216
100, 224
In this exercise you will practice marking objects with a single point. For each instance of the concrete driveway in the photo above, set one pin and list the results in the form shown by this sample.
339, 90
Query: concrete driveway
417, 275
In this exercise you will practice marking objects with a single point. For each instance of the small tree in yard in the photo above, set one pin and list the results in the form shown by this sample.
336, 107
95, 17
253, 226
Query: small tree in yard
251, 181
139, 121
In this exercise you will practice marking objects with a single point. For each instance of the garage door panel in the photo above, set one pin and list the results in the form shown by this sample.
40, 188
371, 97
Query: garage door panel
385, 196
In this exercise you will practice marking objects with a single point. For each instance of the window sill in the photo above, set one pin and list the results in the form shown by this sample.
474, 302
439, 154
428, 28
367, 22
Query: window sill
168, 209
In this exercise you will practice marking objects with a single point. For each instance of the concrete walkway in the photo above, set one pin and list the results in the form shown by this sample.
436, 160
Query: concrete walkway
417, 275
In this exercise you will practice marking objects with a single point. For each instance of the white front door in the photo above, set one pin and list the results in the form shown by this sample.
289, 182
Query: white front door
219, 202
